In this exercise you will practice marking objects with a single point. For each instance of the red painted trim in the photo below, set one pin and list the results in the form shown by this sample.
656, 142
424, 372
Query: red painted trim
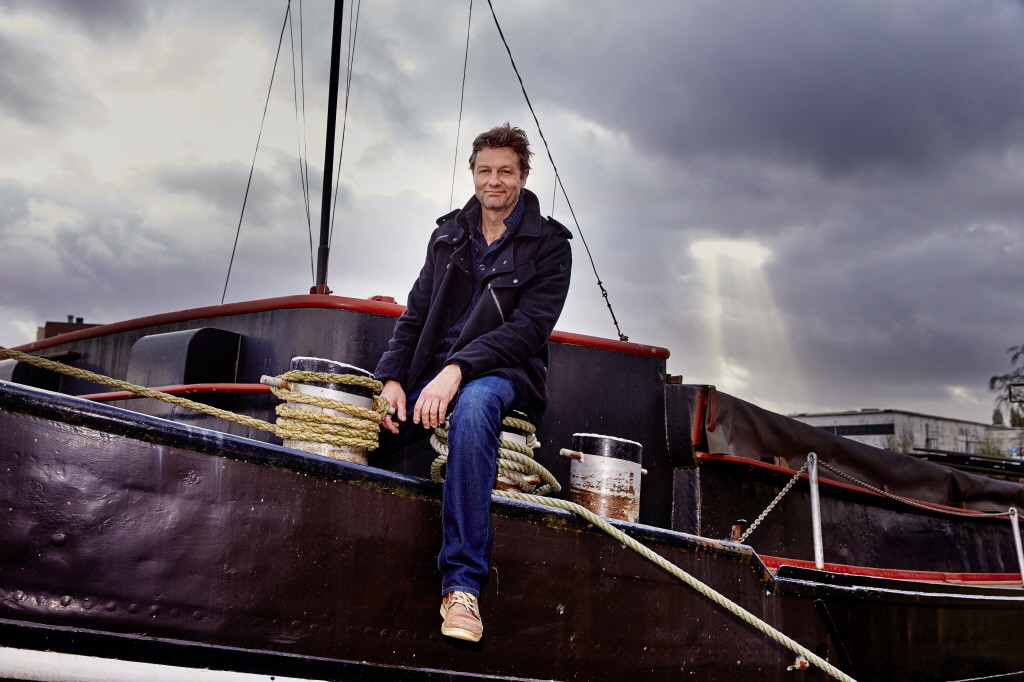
773, 563
310, 301
609, 344
180, 389
699, 408
712, 420
787, 473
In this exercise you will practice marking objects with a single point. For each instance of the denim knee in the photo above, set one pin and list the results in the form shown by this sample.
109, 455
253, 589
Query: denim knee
476, 405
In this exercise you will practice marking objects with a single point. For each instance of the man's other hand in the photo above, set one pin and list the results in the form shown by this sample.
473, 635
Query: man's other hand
393, 393
432, 406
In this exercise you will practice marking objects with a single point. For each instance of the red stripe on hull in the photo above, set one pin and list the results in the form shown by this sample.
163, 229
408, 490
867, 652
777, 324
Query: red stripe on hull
180, 389
988, 579
313, 301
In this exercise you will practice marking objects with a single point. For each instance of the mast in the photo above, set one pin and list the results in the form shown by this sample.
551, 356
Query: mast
323, 252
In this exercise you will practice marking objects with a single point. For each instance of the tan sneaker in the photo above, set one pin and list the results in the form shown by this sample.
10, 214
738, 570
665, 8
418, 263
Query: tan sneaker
461, 615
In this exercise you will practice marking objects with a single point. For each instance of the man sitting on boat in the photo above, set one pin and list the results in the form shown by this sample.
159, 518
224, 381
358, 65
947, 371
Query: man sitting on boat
474, 335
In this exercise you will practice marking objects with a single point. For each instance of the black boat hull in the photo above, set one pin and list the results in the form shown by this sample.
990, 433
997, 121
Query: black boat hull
130, 528
125, 524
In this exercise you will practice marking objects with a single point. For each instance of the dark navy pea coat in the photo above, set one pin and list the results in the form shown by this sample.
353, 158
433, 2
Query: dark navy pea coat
507, 331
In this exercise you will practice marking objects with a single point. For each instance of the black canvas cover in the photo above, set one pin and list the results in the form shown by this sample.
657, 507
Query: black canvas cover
735, 427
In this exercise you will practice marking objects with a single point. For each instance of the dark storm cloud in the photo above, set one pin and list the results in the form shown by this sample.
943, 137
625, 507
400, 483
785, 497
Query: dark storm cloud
919, 295
871, 146
90, 261
221, 185
13, 206
274, 193
33, 90
405, 78
840, 86
100, 19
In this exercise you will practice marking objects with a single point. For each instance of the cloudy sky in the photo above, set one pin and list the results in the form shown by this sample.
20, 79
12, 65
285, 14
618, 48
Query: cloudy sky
814, 205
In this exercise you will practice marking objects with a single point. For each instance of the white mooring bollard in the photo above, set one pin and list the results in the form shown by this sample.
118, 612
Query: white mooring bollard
605, 475
357, 395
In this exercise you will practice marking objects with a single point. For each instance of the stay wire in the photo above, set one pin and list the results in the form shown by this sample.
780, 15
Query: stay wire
558, 178
252, 168
299, 89
353, 32
462, 100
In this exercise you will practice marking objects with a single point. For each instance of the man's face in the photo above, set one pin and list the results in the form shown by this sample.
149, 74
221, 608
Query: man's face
497, 178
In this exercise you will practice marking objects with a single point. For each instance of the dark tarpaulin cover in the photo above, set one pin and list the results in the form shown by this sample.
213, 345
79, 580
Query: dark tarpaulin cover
745, 430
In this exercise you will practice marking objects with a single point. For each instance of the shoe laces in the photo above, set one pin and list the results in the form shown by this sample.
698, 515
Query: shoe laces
464, 598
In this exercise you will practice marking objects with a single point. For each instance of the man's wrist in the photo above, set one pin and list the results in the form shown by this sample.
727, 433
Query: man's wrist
461, 366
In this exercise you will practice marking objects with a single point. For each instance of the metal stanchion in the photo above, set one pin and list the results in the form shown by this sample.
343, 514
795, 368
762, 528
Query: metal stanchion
1015, 522
812, 477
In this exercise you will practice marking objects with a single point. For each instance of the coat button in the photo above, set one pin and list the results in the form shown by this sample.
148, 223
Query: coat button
515, 281
481, 268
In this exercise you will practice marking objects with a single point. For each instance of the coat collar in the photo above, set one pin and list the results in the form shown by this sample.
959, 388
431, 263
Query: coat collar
469, 216
456, 232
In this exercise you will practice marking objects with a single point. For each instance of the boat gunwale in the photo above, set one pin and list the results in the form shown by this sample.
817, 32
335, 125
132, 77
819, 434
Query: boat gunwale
323, 301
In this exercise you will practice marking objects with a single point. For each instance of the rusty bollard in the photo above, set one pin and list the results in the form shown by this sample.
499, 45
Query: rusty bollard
605, 475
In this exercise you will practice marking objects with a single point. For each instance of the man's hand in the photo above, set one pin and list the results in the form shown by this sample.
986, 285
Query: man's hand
393, 393
432, 406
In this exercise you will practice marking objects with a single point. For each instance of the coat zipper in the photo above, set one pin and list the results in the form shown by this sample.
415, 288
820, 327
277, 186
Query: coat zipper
495, 297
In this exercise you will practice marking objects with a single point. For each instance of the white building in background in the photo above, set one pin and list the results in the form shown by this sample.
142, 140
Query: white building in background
901, 431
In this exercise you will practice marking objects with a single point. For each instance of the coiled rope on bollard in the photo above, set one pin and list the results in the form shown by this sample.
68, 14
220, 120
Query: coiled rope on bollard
358, 430
515, 461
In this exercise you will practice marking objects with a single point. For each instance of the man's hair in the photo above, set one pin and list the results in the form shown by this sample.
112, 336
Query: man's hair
504, 136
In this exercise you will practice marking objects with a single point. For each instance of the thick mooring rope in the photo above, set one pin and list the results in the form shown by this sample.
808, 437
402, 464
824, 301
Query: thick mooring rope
359, 430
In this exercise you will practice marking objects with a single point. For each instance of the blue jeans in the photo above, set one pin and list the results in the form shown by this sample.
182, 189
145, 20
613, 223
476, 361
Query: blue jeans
474, 430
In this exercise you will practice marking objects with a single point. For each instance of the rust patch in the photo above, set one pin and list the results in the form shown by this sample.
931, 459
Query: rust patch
612, 506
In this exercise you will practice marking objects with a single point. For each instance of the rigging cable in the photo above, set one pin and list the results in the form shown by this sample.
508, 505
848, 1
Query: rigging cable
462, 99
248, 184
558, 178
353, 32
299, 89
